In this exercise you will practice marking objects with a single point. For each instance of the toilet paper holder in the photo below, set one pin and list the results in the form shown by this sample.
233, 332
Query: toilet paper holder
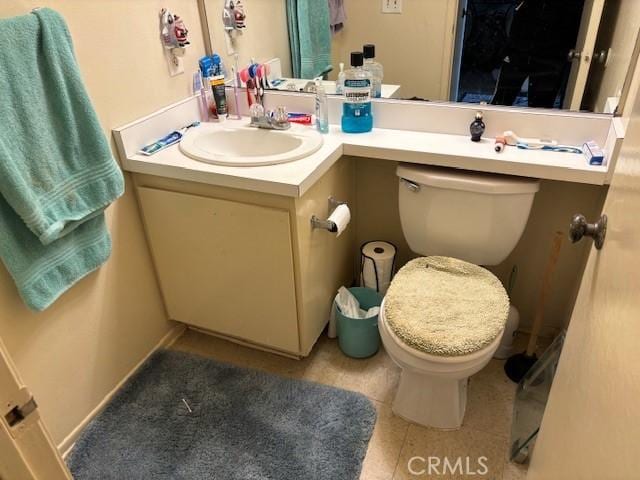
327, 224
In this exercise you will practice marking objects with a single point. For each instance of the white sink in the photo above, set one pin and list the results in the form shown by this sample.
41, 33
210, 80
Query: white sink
236, 144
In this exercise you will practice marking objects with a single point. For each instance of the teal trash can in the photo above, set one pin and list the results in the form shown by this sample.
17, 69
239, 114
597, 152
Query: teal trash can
358, 337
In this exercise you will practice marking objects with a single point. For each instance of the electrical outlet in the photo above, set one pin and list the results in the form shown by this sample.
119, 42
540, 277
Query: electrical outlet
174, 60
391, 6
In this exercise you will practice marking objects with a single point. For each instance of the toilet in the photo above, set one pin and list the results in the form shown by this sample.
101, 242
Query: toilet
444, 315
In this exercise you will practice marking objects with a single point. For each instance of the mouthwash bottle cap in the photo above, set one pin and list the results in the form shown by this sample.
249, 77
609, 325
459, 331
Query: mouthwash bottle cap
369, 50
357, 59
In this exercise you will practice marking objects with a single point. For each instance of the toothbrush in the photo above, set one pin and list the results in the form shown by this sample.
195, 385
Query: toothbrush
250, 87
244, 77
199, 89
266, 71
236, 92
166, 141
513, 140
236, 85
253, 73
510, 138
261, 81
550, 148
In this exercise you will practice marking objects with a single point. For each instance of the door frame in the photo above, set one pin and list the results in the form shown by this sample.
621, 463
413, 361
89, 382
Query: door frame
585, 45
31, 453
459, 27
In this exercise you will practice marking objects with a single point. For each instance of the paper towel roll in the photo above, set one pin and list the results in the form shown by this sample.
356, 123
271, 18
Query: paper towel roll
378, 259
341, 216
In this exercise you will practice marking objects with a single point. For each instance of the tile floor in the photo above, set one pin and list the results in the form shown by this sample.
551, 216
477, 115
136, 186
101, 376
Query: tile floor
486, 426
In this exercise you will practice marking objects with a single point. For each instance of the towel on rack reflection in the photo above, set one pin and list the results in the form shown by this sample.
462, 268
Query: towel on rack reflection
57, 173
309, 37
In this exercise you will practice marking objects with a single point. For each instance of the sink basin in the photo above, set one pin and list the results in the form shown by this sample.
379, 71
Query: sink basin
241, 146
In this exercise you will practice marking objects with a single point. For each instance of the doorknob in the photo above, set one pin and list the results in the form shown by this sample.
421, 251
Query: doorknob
573, 55
601, 56
579, 227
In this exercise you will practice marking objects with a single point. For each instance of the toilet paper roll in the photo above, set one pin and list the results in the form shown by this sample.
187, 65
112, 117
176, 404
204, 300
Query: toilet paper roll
341, 216
377, 263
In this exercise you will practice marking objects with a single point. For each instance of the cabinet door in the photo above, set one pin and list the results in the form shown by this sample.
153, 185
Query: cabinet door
224, 266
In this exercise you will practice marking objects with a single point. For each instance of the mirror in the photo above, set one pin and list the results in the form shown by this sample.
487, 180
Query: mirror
557, 54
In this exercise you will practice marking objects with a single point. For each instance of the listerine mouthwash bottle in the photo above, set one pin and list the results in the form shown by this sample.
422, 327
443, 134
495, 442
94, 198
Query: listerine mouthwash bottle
356, 109
374, 67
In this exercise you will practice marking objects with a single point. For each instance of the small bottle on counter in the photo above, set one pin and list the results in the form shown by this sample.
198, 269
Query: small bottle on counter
322, 108
340, 81
476, 129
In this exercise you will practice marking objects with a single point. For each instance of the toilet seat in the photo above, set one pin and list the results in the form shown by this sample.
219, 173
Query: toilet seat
445, 307
437, 358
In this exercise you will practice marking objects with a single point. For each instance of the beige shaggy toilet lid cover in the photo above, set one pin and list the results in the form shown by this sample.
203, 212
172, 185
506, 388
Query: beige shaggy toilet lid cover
445, 306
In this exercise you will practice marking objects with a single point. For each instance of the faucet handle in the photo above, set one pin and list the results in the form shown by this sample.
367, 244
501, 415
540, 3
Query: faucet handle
281, 115
256, 111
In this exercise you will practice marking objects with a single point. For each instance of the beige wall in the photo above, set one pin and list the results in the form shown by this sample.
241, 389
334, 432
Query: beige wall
414, 47
378, 219
618, 30
75, 352
265, 37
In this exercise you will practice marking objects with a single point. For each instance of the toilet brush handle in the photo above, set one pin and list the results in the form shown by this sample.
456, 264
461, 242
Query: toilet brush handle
544, 291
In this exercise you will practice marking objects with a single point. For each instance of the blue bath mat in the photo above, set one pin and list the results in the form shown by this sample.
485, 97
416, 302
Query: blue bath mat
187, 417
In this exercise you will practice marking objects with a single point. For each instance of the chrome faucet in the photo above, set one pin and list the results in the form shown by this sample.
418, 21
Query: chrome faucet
270, 120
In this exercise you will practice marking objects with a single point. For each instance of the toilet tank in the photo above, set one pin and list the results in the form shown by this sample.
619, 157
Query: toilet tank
473, 216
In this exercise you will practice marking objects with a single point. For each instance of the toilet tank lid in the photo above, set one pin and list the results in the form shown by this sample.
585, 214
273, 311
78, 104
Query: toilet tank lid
467, 180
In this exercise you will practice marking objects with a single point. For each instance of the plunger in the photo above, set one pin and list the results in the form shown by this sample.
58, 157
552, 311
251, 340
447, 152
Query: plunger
519, 364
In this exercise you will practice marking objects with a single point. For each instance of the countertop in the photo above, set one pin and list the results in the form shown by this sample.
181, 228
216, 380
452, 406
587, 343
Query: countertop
295, 178
387, 91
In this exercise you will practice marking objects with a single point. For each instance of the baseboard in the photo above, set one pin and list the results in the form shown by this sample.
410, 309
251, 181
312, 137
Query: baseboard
67, 444
245, 343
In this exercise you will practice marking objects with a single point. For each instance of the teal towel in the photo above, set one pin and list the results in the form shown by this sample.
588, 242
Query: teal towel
309, 37
57, 173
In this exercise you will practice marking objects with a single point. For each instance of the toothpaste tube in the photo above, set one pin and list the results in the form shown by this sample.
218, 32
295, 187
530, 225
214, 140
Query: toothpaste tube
301, 118
593, 153
164, 142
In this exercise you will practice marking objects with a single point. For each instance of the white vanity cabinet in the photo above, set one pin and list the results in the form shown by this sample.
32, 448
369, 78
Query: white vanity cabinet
248, 265
224, 265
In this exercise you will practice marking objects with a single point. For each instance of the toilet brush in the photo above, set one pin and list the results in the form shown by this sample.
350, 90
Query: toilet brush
519, 364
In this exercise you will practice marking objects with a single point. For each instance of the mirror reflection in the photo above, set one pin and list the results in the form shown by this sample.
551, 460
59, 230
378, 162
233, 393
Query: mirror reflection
559, 54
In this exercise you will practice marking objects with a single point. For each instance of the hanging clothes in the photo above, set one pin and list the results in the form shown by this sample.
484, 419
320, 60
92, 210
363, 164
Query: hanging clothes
541, 35
337, 15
